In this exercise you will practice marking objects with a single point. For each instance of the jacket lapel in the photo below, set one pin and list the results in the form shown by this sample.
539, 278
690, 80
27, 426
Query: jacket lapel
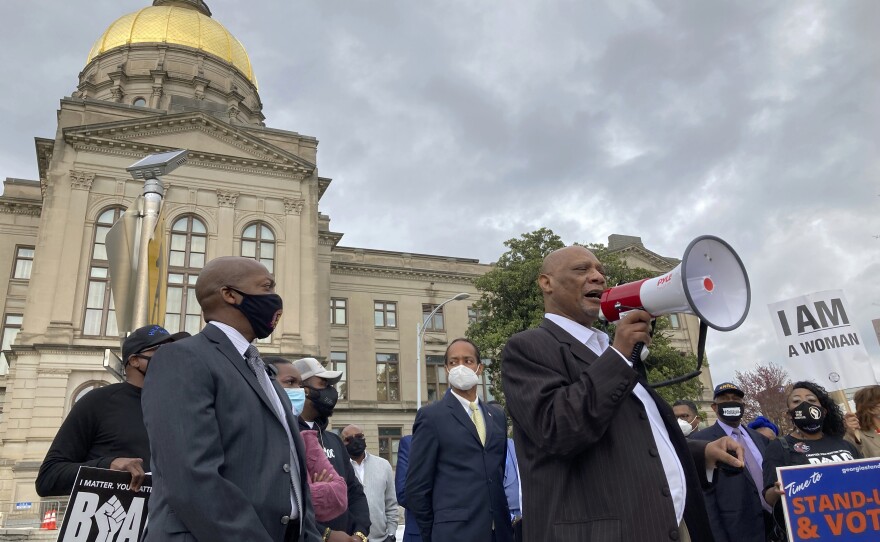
225, 347
459, 414
578, 349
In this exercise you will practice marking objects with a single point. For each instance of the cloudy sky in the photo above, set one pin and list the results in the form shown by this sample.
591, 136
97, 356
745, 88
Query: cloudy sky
451, 126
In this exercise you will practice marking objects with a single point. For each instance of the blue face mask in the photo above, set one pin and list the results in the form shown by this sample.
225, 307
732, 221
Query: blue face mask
297, 398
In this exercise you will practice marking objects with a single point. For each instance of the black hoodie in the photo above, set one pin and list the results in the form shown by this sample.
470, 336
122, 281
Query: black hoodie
357, 518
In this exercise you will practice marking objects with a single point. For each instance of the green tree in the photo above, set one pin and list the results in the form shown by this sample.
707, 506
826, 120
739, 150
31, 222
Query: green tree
511, 302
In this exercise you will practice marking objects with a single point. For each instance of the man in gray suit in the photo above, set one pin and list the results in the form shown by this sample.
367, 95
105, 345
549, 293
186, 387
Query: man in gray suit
228, 462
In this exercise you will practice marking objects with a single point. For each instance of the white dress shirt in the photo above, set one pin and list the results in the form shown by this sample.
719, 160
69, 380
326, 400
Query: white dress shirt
593, 339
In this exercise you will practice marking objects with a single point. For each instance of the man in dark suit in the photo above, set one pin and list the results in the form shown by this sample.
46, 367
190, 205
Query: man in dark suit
455, 482
228, 462
736, 509
411, 529
601, 455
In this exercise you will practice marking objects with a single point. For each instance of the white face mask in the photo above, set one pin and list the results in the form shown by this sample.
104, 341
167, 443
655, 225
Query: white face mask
463, 378
686, 428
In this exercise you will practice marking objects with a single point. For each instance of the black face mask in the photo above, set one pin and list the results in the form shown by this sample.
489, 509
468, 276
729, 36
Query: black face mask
730, 412
261, 310
324, 400
808, 418
356, 446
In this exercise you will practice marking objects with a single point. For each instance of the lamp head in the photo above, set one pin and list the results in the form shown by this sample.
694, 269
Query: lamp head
156, 165
461, 296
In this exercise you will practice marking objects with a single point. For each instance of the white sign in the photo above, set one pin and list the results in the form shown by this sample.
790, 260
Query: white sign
24, 505
819, 341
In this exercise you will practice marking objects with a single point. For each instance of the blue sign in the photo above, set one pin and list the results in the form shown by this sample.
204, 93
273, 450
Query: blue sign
832, 501
24, 505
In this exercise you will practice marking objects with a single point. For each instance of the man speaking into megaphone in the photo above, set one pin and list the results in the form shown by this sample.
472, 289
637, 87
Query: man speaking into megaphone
601, 454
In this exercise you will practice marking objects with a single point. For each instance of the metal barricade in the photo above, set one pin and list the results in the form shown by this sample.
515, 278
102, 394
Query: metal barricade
44, 514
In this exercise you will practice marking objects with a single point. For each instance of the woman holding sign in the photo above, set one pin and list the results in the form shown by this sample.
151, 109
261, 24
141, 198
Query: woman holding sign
818, 437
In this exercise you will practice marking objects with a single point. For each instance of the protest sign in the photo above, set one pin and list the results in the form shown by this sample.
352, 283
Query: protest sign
103, 508
819, 341
837, 501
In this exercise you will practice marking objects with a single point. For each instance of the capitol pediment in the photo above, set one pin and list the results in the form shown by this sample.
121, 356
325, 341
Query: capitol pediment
209, 140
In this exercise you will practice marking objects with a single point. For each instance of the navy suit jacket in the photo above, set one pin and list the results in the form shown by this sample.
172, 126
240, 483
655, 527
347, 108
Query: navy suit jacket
455, 485
733, 501
411, 528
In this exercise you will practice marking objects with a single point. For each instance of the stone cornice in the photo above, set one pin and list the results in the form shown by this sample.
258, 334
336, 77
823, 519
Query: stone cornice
20, 208
329, 238
323, 185
45, 148
348, 268
665, 264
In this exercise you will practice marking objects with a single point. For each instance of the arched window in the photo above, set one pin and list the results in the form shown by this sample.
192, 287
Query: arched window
86, 388
139, 102
258, 242
186, 258
100, 315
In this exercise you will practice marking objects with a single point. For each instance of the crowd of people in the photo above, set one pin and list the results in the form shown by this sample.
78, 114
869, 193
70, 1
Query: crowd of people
239, 447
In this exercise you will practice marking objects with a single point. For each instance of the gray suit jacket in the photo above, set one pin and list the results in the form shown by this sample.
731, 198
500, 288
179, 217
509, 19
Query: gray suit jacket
219, 452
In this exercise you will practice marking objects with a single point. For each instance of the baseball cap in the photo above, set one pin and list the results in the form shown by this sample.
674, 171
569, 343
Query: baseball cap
309, 367
728, 387
144, 338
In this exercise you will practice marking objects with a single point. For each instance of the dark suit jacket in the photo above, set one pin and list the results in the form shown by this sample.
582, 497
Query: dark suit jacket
455, 485
219, 451
733, 502
589, 466
411, 529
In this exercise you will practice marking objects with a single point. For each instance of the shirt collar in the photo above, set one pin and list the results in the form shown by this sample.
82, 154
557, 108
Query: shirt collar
238, 341
578, 331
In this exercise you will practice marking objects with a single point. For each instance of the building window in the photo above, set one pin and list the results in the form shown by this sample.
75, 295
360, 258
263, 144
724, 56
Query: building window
338, 311
258, 242
674, 322
86, 388
387, 378
473, 315
100, 316
436, 321
339, 362
483, 390
139, 102
385, 314
24, 262
11, 327
435, 373
389, 441
186, 257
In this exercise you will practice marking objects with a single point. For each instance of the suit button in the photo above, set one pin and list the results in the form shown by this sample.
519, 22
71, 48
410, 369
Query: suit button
615, 396
665, 491
285, 467
673, 534
285, 520
653, 452
621, 388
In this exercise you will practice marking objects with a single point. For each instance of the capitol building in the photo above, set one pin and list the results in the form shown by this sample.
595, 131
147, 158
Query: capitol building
166, 77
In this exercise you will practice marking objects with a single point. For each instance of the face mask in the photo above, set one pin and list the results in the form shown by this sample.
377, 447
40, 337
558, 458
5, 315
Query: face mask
808, 418
356, 446
463, 378
297, 398
730, 412
261, 310
685, 427
324, 400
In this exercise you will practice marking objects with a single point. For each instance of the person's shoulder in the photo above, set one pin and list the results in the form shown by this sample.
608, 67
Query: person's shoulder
709, 433
104, 393
381, 462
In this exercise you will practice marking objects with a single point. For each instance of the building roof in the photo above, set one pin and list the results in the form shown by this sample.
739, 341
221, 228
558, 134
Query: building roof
179, 22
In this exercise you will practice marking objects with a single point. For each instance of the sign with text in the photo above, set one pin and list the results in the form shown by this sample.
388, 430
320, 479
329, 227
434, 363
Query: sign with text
103, 508
832, 501
820, 342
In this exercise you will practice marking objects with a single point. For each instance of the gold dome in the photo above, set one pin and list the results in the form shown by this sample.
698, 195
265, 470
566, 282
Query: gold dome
176, 25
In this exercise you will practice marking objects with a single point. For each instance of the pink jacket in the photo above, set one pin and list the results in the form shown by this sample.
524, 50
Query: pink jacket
329, 498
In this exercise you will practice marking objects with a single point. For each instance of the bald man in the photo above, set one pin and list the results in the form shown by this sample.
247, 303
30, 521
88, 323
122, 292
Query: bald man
601, 456
228, 462
376, 475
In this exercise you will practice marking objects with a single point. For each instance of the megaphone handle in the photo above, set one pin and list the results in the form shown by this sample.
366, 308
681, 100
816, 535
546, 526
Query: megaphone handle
636, 359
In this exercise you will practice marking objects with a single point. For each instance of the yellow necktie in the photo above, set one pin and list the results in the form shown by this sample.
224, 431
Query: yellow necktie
477, 417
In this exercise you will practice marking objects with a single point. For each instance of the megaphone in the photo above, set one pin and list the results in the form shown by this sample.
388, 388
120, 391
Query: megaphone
710, 282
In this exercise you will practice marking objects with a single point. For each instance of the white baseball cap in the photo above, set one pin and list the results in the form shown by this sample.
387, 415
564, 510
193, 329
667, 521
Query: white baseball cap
309, 367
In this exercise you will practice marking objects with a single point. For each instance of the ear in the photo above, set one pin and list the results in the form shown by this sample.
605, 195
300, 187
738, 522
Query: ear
715, 408
134, 361
479, 370
228, 295
545, 283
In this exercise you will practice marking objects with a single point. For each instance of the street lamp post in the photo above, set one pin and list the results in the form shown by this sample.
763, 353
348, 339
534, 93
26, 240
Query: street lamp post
420, 331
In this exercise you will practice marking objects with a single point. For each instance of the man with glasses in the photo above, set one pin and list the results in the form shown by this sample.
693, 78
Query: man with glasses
686, 411
105, 428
